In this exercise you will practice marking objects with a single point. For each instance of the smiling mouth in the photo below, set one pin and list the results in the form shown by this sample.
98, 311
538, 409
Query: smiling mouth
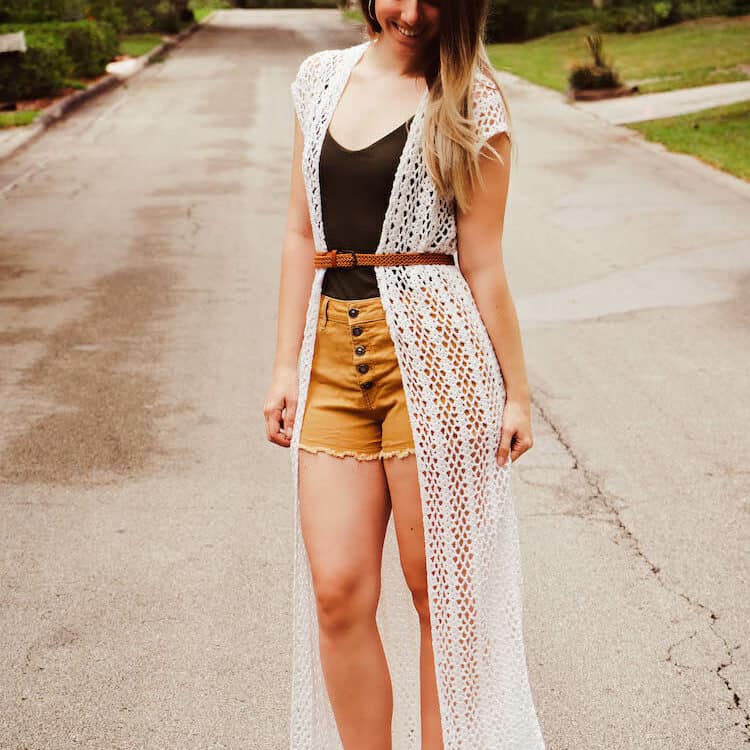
407, 33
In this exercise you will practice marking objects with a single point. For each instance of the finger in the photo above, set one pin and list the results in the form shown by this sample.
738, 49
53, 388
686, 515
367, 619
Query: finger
520, 446
273, 424
279, 438
505, 440
289, 416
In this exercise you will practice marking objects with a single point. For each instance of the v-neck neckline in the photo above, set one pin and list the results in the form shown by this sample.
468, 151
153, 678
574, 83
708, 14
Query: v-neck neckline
341, 147
334, 102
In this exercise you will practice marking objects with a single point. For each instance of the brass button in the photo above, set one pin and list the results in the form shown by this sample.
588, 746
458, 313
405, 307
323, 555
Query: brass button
353, 312
363, 368
356, 331
359, 350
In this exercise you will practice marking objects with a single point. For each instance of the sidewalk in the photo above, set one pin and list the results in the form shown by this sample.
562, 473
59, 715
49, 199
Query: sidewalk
667, 103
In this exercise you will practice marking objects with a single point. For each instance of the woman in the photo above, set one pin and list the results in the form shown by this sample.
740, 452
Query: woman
399, 385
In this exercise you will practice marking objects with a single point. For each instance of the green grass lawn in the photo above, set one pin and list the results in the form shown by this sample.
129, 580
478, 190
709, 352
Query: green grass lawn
719, 136
693, 53
353, 14
15, 119
203, 8
139, 44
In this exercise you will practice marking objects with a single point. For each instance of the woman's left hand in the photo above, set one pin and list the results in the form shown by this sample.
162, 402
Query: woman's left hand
515, 435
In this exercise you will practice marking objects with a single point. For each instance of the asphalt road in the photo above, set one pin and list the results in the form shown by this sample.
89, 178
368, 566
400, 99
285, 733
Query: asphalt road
146, 524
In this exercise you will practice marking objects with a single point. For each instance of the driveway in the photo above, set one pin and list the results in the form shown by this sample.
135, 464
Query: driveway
147, 524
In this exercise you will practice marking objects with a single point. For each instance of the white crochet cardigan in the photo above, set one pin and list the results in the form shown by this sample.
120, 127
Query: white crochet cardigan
455, 397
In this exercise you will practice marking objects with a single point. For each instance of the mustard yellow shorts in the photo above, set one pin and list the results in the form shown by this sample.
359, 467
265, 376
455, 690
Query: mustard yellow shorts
355, 401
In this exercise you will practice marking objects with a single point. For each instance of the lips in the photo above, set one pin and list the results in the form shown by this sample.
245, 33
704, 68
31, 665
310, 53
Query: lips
407, 35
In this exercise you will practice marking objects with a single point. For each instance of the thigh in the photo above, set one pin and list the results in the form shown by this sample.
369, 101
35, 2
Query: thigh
403, 484
344, 512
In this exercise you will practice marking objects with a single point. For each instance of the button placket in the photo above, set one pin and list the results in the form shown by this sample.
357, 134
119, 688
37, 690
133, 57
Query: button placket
358, 335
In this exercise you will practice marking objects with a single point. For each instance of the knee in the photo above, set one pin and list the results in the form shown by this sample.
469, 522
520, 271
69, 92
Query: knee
343, 603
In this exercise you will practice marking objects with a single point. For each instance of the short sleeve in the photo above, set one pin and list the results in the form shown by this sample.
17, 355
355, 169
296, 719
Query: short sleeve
302, 87
490, 114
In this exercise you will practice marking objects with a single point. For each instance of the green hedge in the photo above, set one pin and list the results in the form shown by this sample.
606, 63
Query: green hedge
629, 16
287, 4
56, 51
40, 71
91, 45
38, 11
129, 16
518, 20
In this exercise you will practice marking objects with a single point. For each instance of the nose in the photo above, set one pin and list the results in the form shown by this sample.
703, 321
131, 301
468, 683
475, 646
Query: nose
410, 12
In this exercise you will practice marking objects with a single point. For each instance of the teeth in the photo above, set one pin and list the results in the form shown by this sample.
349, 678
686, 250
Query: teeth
405, 32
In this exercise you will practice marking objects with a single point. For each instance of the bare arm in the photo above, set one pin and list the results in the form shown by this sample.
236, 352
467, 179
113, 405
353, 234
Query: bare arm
294, 291
480, 256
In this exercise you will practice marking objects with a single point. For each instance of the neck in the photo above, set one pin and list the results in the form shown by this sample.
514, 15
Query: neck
390, 61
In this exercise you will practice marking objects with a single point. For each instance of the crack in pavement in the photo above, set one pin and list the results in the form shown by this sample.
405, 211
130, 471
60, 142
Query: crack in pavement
670, 659
597, 494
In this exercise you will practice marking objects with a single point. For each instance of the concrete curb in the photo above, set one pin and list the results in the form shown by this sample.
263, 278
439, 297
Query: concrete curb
12, 143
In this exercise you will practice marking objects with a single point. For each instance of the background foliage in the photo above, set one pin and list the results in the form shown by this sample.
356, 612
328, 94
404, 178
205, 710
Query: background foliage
126, 16
517, 20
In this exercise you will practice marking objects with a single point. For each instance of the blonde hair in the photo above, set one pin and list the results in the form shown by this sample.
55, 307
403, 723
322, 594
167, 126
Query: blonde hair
451, 143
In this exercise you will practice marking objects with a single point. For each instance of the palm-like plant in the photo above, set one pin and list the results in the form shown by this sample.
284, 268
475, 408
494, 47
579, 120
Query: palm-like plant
597, 74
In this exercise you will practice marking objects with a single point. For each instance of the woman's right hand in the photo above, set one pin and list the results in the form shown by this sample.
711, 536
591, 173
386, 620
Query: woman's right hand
280, 406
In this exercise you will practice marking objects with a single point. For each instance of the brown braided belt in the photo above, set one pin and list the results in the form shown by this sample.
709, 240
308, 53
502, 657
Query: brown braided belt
340, 259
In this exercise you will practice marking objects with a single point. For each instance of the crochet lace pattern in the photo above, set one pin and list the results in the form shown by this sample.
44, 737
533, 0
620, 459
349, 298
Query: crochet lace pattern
455, 395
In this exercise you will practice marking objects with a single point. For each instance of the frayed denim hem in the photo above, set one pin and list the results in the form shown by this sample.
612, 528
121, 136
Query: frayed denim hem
399, 453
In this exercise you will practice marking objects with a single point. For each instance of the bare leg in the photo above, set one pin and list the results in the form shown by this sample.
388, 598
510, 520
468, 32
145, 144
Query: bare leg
407, 516
344, 512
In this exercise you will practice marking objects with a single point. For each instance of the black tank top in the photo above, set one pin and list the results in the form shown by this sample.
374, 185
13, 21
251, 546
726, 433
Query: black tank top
355, 187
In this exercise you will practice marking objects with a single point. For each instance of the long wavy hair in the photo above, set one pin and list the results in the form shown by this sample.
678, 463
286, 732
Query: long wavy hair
451, 143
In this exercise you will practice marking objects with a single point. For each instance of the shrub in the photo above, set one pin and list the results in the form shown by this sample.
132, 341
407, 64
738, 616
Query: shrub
569, 19
586, 76
114, 16
516, 20
38, 11
91, 45
598, 74
506, 22
689, 9
166, 18
140, 20
286, 3
40, 71
123, 15
627, 20
56, 51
